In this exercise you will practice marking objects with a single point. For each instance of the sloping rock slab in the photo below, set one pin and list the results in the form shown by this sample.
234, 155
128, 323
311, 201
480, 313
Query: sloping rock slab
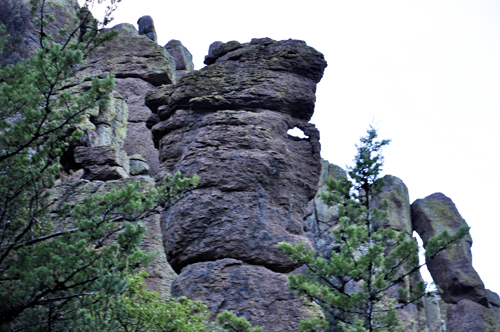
452, 269
254, 292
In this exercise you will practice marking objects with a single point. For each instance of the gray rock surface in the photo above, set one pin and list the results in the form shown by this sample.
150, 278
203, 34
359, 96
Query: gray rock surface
452, 269
250, 291
470, 316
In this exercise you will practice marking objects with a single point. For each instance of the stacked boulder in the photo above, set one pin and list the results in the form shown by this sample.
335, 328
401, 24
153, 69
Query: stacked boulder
228, 123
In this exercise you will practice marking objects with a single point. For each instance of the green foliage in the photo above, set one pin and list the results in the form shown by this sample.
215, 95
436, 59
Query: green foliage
357, 286
58, 271
230, 322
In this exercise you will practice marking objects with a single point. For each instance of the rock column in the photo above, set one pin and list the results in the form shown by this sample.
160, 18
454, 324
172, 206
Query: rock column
228, 123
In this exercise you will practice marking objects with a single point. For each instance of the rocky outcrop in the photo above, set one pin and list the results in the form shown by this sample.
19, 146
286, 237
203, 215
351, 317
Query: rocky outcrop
139, 65
255, 179
394, 195
452, 269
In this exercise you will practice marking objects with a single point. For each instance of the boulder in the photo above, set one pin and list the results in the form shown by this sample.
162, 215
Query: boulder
253, 292
138, 165
147, 27
452, 269
274, 75
183, 58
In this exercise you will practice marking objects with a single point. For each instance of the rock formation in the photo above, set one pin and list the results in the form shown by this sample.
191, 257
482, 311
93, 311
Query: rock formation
228, 123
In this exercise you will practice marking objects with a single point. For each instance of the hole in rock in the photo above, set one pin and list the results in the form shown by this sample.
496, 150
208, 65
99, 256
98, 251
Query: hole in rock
423, 270
297, 132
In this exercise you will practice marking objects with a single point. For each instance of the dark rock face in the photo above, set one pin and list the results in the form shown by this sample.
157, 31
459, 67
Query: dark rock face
451, 270
254, 292
255, 179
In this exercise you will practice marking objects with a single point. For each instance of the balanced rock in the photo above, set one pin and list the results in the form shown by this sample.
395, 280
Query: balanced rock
452, 269
147, 27
255, 179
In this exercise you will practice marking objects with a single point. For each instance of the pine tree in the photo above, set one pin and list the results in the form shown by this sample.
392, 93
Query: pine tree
356, 285
55, 274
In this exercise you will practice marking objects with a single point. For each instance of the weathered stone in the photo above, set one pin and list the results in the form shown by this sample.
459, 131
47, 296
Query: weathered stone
452, 269
132, 55
323, 218
158, 97
279, 76
104, 173
23, 35
470, 316
139, 141
100, 155
250, 291
138, 165
255, 182
133, 91
147, 27
183, 58
395, 194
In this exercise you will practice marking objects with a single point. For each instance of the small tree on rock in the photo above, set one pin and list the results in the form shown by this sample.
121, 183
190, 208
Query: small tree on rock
356, 286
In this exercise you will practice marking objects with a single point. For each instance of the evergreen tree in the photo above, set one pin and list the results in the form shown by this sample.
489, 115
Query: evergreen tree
356, 286
56, 272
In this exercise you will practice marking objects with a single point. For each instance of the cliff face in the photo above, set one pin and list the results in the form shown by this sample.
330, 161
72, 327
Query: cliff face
228, 123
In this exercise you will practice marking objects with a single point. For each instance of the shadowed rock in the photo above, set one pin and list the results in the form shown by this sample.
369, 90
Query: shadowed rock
452, 269
147, 27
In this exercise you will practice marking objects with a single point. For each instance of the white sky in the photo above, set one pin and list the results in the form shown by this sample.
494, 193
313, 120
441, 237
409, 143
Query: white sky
427, 73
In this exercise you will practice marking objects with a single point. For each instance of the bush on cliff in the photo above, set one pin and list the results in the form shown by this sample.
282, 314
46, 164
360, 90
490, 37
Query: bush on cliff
367, 278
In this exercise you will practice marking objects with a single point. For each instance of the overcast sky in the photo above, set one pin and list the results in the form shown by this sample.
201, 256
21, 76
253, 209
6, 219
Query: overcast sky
426, 72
